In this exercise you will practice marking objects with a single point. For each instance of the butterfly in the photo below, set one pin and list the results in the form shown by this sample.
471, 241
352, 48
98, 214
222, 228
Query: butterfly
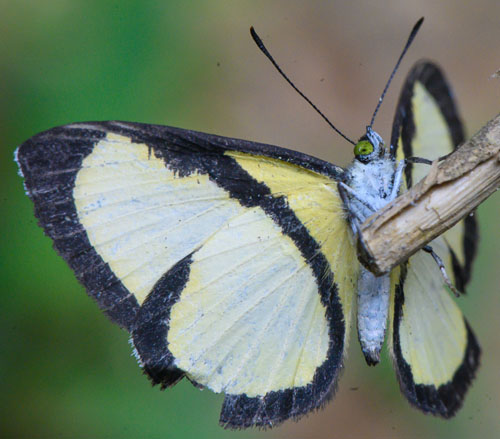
233, 263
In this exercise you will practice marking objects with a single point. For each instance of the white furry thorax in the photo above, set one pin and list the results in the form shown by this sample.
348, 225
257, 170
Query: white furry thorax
373, 182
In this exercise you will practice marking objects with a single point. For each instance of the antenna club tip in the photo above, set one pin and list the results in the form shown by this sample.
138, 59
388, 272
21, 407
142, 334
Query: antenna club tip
255, 37
419, 23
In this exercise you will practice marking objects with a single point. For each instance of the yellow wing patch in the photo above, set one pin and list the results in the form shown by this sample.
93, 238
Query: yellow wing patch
140, 216
250, 319
315, 201
432, 140
432, 331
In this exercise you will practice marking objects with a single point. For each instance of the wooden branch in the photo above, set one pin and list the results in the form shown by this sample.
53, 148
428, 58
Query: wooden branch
451, 190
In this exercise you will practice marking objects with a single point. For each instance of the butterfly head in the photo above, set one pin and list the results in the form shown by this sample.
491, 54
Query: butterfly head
369, 147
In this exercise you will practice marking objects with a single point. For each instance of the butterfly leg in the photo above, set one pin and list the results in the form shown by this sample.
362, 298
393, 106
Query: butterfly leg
356, 214
419, 160
442, 268
355, 195
398, 176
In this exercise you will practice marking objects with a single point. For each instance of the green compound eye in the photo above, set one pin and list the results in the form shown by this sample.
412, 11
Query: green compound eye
363, 148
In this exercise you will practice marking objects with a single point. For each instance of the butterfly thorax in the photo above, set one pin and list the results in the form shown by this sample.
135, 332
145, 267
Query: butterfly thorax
370, 184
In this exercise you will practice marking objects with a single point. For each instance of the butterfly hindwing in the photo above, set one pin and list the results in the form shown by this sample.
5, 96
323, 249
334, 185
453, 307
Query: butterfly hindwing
434, 351
230, 262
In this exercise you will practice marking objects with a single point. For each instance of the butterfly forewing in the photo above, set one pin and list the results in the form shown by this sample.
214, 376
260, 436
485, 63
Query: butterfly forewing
435, 353
232, 268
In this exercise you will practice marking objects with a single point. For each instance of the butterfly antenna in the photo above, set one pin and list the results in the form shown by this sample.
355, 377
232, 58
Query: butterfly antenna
407, 46
263, 49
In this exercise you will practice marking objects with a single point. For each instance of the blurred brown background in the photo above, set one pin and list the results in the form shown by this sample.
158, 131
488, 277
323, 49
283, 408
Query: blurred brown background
65, 371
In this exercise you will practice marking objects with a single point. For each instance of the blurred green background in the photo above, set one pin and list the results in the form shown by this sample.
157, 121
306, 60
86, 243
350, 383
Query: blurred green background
65, 370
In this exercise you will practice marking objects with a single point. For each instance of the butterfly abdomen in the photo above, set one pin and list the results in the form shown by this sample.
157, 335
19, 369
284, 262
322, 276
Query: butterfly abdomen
373, 308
